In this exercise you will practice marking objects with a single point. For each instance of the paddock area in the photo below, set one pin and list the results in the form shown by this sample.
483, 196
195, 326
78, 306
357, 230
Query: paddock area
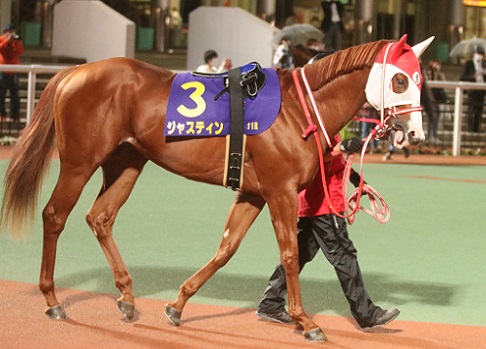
428, 260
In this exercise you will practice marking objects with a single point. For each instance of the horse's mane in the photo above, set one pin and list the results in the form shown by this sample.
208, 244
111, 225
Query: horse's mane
343, 62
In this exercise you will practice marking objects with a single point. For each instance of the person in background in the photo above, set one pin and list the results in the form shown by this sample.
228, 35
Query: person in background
211, 62
332, 24
315, 45
283, 58
368, 112
439, 95
11, 47
475, 71
319, 228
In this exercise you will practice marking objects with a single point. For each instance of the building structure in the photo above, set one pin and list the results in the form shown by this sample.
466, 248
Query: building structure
366, 20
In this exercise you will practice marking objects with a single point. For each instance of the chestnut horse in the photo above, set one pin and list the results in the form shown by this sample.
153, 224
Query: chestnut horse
110, 114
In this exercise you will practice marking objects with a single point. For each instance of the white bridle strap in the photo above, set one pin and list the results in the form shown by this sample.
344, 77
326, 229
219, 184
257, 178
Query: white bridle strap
382, 89
314, 106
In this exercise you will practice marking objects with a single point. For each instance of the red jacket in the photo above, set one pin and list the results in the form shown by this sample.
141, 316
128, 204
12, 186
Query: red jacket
312, 200
10, 50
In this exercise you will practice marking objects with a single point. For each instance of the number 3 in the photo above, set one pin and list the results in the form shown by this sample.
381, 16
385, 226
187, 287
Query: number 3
196, 97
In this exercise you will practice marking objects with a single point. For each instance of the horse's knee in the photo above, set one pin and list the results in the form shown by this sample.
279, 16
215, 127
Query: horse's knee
290, 261
53, 222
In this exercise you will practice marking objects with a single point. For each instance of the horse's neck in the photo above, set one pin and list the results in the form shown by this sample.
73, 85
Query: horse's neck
339, 100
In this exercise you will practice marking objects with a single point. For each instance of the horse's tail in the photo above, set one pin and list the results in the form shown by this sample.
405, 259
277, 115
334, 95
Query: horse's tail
29, 163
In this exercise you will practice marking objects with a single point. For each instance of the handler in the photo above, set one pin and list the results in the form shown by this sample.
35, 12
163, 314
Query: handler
318, 228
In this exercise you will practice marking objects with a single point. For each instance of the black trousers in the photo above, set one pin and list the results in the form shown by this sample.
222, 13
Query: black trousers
475, 110
330, 234
9, 82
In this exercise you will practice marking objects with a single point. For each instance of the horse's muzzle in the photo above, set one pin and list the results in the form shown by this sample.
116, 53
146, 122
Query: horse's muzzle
413, 139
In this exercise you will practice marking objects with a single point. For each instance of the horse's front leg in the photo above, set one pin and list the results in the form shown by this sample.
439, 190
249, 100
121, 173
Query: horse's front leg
244, 211
283, 209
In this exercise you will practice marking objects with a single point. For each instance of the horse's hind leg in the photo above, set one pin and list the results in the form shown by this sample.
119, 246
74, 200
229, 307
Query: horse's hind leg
244, 211
120, 173
71, 182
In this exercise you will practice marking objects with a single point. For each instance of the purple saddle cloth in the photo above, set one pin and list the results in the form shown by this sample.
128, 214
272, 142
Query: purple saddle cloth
193, 111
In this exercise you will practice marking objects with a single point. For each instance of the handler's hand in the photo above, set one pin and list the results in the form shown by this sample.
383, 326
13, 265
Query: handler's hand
351, 145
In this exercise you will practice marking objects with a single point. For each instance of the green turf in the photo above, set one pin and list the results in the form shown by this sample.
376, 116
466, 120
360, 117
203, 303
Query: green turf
429, 260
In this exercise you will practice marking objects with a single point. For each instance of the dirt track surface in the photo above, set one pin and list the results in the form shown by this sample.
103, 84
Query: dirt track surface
96, 323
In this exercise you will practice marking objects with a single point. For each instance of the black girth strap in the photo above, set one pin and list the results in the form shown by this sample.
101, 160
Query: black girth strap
236, 142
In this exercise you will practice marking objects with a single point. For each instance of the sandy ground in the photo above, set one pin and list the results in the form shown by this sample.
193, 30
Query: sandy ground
96, 323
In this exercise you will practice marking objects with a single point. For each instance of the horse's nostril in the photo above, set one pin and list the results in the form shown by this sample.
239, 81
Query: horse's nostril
412, 139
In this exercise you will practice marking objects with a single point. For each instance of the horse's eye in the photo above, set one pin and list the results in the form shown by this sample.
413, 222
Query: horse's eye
400, 83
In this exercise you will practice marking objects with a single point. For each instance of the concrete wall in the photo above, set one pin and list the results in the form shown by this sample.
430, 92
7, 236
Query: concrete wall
92, 30
233, 33
5, 10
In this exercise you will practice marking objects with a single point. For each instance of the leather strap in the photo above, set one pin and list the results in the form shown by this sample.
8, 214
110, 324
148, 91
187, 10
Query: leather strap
235, 154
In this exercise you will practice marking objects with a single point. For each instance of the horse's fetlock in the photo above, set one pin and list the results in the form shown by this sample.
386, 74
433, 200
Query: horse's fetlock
187, 290
46, 286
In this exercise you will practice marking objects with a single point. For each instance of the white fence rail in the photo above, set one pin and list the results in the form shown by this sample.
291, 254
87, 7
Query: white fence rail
32, 71
458, 86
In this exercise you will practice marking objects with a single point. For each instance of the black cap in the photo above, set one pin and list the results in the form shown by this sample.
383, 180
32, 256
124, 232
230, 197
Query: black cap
8, 27
480, 50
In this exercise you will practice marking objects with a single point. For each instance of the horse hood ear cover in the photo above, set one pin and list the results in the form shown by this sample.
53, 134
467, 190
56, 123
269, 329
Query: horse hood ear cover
400, 58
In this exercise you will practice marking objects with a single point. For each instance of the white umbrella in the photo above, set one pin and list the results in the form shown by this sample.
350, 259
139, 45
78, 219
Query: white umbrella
467, 47
299, 34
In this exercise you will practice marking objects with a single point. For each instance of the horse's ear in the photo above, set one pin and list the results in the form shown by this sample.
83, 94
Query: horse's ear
421, 47
397, 49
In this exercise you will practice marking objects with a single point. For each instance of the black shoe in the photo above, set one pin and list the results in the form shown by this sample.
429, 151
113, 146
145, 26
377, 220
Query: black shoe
406, 151
383, 318
282, 317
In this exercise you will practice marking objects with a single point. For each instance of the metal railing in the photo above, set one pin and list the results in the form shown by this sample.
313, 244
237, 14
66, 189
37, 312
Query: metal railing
458, 86
32, 71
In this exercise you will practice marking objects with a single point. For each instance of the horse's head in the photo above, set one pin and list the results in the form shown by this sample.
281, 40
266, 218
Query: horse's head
394, 87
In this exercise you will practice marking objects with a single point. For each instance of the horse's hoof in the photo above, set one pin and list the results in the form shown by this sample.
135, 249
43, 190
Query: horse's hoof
315, 335
173, 315
57, 313
127, 309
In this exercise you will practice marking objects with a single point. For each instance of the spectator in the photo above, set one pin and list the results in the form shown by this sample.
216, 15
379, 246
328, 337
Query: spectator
283, 58
475, 70
439, 95
11, 47
368, 112
332, 24
211, 62
315, 45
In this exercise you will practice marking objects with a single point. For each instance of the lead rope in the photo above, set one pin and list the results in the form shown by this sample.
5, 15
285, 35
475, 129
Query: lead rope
379, 209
